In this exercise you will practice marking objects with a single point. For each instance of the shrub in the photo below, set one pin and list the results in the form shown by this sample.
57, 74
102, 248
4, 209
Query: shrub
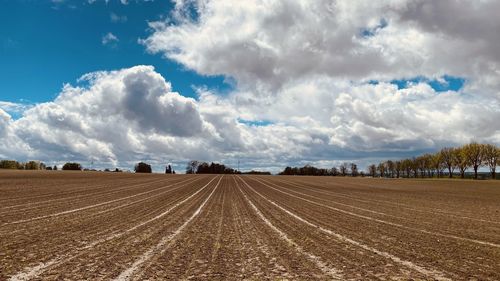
10, 164
72, 167
142, 167
34, 165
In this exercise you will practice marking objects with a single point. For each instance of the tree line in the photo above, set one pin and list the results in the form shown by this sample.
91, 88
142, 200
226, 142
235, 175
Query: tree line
30, 165
37, 165
198, 167
344, 169
252, 172
449, 161
195, 167
446, 162
143, 167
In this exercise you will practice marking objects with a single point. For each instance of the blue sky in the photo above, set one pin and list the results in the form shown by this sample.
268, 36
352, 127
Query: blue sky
298, 90
45, 44
48, 43
446, 83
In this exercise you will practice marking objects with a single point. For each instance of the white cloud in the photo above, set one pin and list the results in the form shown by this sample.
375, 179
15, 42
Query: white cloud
306, 67
274, 42
117, 18
122, 116
13, 107
130, 114
12, 146
4, 122
109, 39
368, 118
118, 113
307, 64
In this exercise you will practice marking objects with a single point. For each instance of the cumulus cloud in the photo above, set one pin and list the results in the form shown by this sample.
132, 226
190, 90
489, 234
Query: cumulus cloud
317, 72
14, 107
4, 122
267, 44
118, 117
311, 62
109, 39
114, 116
367, 118
273, 42
12, 146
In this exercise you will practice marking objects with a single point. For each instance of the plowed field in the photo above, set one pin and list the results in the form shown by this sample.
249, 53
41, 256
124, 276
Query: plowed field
105, 226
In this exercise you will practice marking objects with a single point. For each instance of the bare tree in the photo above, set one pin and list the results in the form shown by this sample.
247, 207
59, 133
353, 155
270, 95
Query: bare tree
344, 169
398, 166
406, 166
449, 159
414, 167
372, 170
192, 166
429, 167
335, 171
421, 165
491, 155
354, 170
437, 163
381, 169
461, 161
390, 168
474, 154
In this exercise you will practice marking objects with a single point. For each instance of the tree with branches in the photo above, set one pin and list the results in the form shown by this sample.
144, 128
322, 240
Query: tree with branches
491, 155
474, 153
449, 160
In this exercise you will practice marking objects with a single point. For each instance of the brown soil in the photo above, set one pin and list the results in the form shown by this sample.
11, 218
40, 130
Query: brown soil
101, 226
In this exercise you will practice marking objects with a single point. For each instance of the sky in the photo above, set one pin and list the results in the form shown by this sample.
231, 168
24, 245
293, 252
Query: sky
266, 83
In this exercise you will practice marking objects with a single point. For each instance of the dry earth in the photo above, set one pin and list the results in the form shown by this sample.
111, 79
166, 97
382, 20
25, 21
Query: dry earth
104, 226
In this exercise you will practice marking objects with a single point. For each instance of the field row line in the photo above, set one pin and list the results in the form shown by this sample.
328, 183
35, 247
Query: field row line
339, 203
89, 206
475, 241
186, 182
162, 246
35, 271
29, 206
401, 205
431, 273
80, 189
333, 273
